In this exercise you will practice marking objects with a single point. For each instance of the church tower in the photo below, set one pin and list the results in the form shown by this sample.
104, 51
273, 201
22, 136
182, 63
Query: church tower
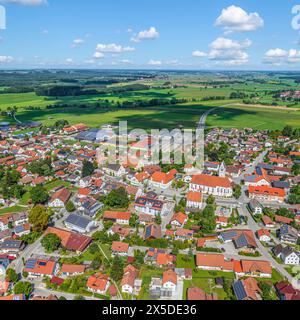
222, 170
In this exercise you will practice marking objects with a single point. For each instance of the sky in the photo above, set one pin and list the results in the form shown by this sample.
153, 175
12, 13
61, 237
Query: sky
156, 34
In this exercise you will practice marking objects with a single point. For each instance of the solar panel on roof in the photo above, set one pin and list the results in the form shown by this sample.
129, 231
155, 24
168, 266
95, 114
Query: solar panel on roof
148, 232
30, 264
241, 241
239, 290
42, 263
229, 235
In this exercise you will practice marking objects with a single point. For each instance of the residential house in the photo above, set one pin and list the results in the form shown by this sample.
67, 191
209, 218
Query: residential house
286, 292
120, 249
70, 270
39, 268
287, 254
267, 221
288, 235
60, 198
184, 234
179, 219
264, 235
114, 170
198, 294
169, 281
247, 289
267, 194
150, 206
128, 280
98, 283
11, 247
194, 201
253, 268
117, 217
162, 180
22, 230
71, 241
256, 207
152, 231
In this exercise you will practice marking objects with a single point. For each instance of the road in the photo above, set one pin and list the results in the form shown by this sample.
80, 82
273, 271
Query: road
207, 113
18, 264
254, 227
43, 292
243, 202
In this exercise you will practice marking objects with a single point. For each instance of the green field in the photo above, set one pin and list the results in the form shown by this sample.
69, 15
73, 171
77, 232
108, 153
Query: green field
256, 118
187, 115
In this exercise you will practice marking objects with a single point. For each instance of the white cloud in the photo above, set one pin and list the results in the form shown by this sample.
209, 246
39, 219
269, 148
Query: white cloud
229, 52
155, 62
293, 56
199, 54
6, 59
235, 19
150, 34
126, 61
89, 61
26, 2
77, 42
275, 53
113, 48
69, 61
45, 32
98, 55
229, 44
279, 56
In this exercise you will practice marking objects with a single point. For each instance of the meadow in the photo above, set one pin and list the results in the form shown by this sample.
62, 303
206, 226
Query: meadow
187, 115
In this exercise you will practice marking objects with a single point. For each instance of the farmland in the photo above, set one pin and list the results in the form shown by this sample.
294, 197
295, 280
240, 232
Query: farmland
199, 92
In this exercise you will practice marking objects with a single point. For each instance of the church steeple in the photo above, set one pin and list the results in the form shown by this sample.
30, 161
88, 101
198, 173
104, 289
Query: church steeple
222, 170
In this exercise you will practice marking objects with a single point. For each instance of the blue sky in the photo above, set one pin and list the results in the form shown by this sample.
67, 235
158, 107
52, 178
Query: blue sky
161, 34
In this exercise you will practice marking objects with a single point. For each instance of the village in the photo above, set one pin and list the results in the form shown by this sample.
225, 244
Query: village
74, 226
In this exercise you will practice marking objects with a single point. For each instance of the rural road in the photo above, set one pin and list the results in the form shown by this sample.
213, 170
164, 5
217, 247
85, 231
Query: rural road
207, 113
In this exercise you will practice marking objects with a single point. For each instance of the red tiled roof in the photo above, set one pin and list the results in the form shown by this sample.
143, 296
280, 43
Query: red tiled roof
281, 219
197, 294
211, 181
116, 215
164, 178
42, 267
98, 282
249, 266
170, 276
265, 190
120, 247
214, 260
179, 217
71, 241
72, 268
194, 196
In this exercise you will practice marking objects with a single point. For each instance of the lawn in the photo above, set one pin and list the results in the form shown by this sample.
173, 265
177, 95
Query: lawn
184, 261
206, 284
106, 249
146, 274
56, 183
15, 209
